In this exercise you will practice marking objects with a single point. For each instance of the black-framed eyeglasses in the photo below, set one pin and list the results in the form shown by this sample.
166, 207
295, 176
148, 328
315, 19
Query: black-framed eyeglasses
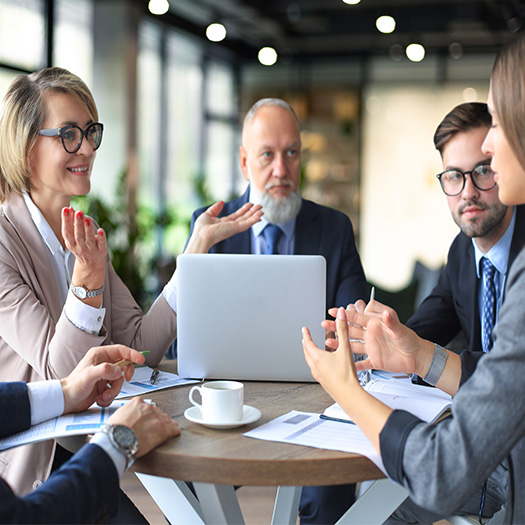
453, 181
72, 136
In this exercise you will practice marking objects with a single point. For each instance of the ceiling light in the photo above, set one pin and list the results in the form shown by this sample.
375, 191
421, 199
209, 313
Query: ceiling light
351, 2
267, 56
216, 32
470, 94
415, 52
158, 7
385, 24
456, 50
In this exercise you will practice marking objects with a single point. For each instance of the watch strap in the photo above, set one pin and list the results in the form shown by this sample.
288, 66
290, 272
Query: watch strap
88, 293
437, 365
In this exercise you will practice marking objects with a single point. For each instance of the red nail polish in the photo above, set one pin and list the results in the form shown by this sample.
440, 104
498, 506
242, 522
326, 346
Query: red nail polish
87, 222
66, 211
79, 215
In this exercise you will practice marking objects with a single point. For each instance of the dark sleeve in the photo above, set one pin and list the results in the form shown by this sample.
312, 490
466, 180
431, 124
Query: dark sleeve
436, 318
392, 442
83, 490
15, 409
351, 281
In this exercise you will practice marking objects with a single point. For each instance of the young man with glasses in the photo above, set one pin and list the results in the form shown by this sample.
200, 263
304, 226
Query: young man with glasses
457, 304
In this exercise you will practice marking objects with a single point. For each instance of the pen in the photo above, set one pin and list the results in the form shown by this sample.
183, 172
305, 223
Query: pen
125, 362
154, 376
372, 293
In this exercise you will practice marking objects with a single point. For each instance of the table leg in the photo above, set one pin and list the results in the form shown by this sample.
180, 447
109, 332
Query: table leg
219, 504
376, 504
286, 505
174, 499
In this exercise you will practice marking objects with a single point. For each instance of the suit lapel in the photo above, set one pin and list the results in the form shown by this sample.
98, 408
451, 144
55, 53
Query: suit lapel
307, 231
242, 242
38, 256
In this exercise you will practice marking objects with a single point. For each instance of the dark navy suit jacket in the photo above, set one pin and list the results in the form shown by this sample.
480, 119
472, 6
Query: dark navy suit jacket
83, 490
318, 231
452, 306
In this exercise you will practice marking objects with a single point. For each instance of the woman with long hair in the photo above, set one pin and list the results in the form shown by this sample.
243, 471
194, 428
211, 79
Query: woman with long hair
443, 464
59, 293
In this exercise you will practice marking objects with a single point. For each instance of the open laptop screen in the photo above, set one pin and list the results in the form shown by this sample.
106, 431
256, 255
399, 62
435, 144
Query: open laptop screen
240, 316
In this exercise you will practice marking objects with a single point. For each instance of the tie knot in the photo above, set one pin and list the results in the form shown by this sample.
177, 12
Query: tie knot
487, 268
272, 233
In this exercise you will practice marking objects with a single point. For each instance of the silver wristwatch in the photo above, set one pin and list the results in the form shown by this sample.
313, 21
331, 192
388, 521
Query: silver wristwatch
124, 440
82, 292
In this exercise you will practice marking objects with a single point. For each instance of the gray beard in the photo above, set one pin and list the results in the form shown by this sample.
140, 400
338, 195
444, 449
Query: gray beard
277, 211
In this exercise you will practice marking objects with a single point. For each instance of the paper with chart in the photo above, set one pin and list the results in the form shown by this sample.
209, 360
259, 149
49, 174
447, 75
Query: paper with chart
305, 428
140, 382
87, 422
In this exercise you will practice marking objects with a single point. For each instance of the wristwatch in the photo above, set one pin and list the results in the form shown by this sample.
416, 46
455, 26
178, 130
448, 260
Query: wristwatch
124, 440
82, 292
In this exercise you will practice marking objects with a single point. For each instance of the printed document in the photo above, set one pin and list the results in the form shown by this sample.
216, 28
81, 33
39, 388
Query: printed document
305, 428
140, 382
87, 422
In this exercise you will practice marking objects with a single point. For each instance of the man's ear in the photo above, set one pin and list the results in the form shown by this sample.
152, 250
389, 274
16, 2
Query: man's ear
243, 159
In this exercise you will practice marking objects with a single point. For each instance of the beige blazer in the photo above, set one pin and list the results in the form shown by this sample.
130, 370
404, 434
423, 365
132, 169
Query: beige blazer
37, 341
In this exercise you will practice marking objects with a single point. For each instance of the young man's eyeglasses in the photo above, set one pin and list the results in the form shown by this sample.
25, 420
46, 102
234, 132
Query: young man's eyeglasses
453, 181
72, 136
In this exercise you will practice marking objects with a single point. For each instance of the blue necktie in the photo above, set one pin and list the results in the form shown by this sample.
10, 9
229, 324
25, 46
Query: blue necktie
489, 302
272, 234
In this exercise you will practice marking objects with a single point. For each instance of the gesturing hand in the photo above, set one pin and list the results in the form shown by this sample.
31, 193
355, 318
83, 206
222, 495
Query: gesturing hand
209, 229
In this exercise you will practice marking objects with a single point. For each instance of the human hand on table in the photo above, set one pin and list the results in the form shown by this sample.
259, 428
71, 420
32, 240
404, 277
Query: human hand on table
150, 424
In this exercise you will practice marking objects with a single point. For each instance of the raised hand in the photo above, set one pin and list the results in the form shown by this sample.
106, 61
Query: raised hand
89, 248
209, 229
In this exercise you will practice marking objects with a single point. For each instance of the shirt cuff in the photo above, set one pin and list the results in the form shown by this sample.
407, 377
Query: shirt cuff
170, 291
119, 460
83, 316
46, 399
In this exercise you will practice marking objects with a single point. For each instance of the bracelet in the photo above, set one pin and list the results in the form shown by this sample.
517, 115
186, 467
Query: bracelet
437, 365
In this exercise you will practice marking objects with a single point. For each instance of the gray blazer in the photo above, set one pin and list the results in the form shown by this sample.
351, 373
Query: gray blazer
37, 341
443, 464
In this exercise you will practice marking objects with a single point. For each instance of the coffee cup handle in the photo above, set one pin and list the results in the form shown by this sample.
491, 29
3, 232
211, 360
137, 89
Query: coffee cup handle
193, 402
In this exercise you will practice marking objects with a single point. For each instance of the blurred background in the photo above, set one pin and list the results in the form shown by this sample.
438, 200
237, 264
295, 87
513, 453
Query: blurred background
370, 80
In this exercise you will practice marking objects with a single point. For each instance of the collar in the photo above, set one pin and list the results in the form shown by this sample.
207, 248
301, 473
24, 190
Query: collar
42, 225
498, 255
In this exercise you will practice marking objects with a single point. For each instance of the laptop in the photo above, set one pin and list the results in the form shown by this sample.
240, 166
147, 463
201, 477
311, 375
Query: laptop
240, 316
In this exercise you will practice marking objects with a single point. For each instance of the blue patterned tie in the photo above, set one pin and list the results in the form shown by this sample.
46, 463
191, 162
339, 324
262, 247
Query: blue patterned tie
272, 234
489, 302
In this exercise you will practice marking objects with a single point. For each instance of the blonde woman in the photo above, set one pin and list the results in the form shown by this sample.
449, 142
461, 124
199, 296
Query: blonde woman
59, 294
443, 465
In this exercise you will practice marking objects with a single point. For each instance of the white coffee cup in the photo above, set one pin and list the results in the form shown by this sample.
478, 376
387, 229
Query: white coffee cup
222, 401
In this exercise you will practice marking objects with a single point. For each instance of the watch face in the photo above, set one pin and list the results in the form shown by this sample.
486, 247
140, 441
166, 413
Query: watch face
124, 436
80, 292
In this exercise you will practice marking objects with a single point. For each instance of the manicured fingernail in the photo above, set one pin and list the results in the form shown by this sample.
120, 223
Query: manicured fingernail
341, 314
87, 222
79, 215
66, 211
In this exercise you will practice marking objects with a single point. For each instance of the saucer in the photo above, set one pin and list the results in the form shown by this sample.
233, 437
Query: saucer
249, 415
